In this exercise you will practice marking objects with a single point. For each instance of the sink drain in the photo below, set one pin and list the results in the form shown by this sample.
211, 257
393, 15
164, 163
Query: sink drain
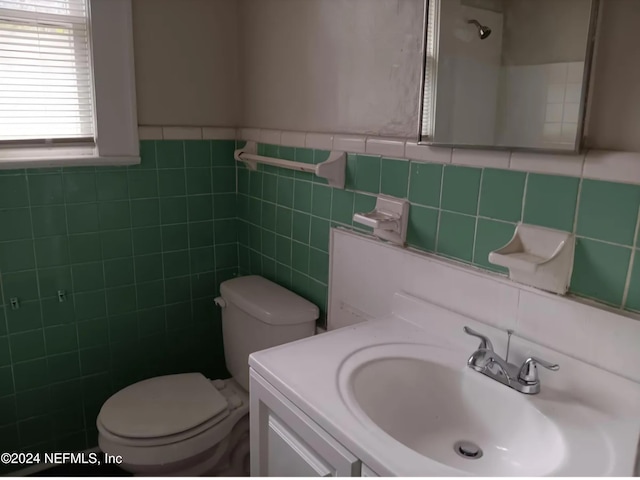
468, 450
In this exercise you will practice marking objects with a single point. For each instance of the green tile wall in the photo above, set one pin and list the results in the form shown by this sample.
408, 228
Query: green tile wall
284, 219
139, 253
457, 212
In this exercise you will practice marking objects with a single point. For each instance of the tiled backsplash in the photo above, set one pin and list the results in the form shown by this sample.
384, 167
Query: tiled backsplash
139, 252
456, 211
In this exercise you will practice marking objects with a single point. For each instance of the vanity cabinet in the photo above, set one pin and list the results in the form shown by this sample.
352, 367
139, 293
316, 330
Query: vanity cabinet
367, 472
287, 443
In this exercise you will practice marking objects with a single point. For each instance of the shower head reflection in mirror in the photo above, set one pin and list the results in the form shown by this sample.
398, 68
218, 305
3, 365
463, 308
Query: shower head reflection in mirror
506, 75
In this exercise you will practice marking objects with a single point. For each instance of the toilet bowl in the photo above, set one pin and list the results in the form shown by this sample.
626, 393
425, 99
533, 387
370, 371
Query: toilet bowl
188, 425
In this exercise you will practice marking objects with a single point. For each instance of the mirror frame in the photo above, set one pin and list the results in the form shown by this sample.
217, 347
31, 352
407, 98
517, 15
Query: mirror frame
587, 81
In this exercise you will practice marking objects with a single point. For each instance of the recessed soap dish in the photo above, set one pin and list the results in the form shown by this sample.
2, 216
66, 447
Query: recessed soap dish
539, 257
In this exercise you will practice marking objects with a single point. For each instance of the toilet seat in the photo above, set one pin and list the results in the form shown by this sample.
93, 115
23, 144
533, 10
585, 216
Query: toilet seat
141, 452
167, 409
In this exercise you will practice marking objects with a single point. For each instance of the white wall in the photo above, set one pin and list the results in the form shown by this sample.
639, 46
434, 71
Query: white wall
332, 65
186, 55
615, 106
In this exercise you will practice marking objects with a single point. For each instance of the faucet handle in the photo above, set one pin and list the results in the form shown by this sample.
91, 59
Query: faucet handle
529, 373
484, 343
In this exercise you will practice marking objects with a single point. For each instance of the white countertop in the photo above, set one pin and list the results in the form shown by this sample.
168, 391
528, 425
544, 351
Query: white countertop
307, 373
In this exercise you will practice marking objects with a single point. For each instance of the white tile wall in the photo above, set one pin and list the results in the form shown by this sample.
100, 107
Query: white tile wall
186, 133
250, 134
272, 137
150, 133
613, 166
459, 289
481, 158
351, 302
555, 323
350, 143
556, 93
541, 105
182, 133
554, 112
605, 339
387, 147
554, 164
572, 93
571, 112
293, 139
426, 153
217, 133
321, 141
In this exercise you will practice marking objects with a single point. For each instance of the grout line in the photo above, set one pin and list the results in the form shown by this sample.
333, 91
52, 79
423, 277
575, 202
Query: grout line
37, 275
477, 216
236, 218
577, 211
191, 273
524, 196
162, 252
11, 361
437, 239
574, 230
409, 175
73, 290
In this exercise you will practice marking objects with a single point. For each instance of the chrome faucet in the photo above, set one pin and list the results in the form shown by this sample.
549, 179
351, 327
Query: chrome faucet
524, 379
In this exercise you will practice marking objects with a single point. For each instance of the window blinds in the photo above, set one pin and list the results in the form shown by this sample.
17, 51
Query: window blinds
430, 65
46, 89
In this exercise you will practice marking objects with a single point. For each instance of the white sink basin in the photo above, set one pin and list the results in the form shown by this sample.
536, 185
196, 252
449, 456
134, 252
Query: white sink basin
425, 398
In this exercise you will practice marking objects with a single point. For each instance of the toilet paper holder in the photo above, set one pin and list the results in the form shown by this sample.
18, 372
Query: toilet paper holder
388, 220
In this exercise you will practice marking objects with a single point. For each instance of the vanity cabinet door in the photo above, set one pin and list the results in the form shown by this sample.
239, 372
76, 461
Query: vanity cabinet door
285, 442
367, 472
289, 456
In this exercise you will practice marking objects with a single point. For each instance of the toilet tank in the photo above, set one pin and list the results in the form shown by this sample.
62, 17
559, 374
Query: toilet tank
259, 314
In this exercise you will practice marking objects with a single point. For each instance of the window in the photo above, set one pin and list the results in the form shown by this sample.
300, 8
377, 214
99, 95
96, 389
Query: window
427, 105
46, 92
66, 83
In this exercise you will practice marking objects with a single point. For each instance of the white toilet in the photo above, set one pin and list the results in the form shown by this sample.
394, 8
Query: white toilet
188, 425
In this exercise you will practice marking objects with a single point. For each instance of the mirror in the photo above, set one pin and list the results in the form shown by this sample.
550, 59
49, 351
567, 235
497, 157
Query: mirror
506, 73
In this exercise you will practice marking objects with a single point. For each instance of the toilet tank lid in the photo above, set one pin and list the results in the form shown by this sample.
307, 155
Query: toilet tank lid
268, 301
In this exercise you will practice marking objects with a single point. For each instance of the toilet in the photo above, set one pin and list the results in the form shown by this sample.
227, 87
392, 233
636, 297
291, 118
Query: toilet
189, 425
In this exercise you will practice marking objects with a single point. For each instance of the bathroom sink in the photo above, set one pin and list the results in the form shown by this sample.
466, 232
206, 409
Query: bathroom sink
425, 398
